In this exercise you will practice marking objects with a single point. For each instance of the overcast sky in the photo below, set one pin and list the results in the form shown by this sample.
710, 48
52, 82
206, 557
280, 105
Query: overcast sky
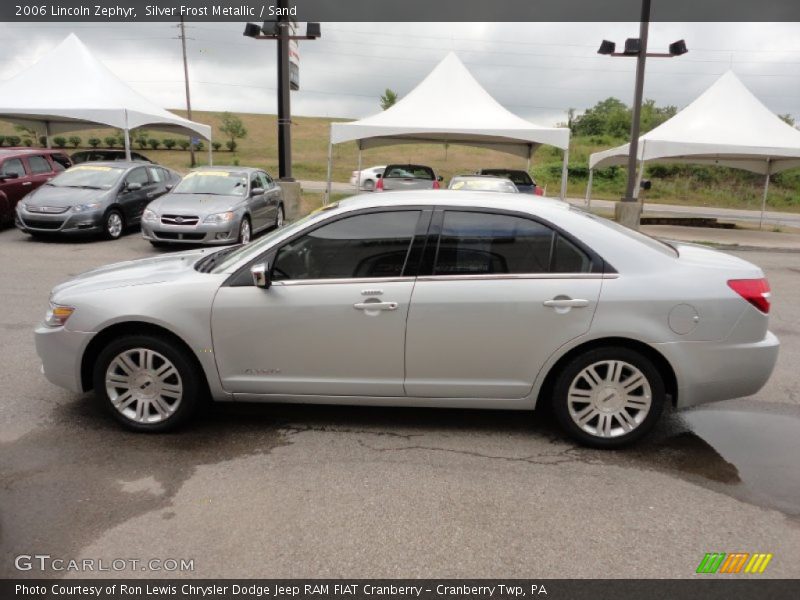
537, 70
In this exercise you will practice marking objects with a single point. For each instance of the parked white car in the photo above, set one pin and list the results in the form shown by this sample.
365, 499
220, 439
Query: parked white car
447, 299
369, 177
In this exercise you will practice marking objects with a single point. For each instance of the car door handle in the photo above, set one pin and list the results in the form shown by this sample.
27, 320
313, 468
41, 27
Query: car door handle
566, 303
375, 305
27, 183
151, 195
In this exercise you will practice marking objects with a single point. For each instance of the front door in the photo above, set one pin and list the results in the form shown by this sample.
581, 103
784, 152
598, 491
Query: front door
333, 322
504, 293
134, 199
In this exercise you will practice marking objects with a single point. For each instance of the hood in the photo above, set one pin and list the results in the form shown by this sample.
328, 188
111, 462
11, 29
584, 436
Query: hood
49, 195
194, 204
134, 272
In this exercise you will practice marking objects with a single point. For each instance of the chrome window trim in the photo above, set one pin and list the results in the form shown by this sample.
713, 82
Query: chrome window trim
500, 276
361, 280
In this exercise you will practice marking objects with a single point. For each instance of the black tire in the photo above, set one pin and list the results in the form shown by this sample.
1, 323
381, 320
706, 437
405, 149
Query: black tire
240, 238
368, 185
159, 244
189, 376
645, 421
280, 217
113, 229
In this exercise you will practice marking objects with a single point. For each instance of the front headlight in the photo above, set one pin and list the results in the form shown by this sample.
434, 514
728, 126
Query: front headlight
86, 207
57, 315
219, 218
149, 216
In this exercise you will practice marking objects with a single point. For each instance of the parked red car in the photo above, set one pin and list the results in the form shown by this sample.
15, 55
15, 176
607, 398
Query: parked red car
23, 170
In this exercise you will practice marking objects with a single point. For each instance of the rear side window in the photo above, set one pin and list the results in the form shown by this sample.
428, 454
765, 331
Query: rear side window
474, 243
156, 174
39, 164
13, 166
408, 172
60, 162
371, 245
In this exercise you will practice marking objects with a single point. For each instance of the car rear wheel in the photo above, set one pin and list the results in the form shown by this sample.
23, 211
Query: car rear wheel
147, 382
113, 225
369, 185
245, 233
608, 397
280, 217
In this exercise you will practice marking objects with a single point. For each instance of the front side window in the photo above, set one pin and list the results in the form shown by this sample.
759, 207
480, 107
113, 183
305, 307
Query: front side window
473, 243
39, 164
156, 174
13, 166
138, 175
370, 245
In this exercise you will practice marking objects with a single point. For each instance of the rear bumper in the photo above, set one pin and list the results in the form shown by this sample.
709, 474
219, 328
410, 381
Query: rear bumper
713, 371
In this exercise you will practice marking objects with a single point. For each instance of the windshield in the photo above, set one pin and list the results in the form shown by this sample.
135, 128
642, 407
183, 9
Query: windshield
217, 183
482, 184
518, 177
88, 176
250, 251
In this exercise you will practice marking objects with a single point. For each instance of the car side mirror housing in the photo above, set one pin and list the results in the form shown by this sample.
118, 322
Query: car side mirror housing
133, 186
378, 175
261, 275
256, 191
440, 178
169, 186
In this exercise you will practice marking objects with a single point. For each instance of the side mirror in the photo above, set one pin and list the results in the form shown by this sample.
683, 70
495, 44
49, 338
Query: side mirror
169, 186
440, 178
257, 191
261, 275
378, 175
133, 186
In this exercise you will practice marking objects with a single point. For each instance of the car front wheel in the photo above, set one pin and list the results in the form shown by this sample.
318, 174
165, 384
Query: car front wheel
245, 232
608, 397
147, 382
113, 225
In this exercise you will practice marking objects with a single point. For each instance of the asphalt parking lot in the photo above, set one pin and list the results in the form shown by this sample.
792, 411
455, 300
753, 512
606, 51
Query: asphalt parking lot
305, 491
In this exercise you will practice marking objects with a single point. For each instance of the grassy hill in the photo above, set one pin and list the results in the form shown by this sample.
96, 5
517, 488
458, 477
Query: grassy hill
702, 186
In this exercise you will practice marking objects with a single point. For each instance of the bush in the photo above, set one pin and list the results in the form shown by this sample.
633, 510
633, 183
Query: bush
2, 140
184, 144
110, 141
43, 141
169, 143
75, 141
141, 141
94, 142
199, 146
60, 141
27, 142
231, 145
154, 143
216, 146
13, 140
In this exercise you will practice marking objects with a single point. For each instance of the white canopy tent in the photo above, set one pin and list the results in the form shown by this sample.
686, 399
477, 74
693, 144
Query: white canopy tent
69, 89
726, 126
449, 107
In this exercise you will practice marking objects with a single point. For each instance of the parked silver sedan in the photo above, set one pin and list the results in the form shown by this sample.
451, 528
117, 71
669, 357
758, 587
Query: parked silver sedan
215, 205
448, 299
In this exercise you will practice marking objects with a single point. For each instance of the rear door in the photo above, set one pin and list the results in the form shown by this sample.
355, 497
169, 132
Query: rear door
40, 169
15, 182
499, 294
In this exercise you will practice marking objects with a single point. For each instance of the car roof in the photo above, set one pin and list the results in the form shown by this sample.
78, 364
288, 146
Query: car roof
480, 176
460, 198
503, 170
118, 164
10, 152
232, 169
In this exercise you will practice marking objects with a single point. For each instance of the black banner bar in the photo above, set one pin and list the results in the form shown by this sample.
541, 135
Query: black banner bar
740, 587
399, 10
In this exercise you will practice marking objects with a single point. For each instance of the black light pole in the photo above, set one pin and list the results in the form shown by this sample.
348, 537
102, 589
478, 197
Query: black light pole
628, 210
279, 31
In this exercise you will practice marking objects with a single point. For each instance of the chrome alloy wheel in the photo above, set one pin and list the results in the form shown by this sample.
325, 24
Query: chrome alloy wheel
114, 225
244, 231
609, 398
143, 385
279, 219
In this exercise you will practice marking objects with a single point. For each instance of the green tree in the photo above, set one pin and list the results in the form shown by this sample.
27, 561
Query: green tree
788, 119
169, 143
183, 144
154, 143
75, 141
233, 127
60, 141
14, 140
216, 146
111, 141
231, 145
389, 99
94, 142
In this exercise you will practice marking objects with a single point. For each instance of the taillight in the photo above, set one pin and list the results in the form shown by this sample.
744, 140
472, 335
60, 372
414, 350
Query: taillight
755, 291
379, 185
435, 184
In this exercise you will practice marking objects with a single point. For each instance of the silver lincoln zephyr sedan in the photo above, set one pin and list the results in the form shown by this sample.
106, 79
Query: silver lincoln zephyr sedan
446, 299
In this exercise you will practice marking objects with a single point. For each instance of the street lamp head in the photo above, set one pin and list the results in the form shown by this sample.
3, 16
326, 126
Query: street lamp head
607, 47
251, 30
313, 30
633, 46
678, 48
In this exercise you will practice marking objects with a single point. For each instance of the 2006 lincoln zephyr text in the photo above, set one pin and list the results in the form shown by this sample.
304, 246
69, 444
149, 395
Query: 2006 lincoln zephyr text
455, 299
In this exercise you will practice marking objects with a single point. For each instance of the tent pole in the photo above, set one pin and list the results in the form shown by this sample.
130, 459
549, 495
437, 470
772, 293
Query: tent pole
358, 177
327, 197
564, 174
764, 198
127, 138
47, 134
210, 153
589, 189
640, 173
530, 151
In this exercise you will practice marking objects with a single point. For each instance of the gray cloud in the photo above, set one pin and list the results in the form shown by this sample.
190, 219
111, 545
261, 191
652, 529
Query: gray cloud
537, 70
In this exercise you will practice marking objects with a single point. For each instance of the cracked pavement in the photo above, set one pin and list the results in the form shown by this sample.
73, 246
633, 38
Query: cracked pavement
324, 491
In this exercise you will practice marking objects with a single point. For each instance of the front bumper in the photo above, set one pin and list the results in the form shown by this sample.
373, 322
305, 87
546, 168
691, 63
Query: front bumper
64, 223
60, 351
203, 233
713, 371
